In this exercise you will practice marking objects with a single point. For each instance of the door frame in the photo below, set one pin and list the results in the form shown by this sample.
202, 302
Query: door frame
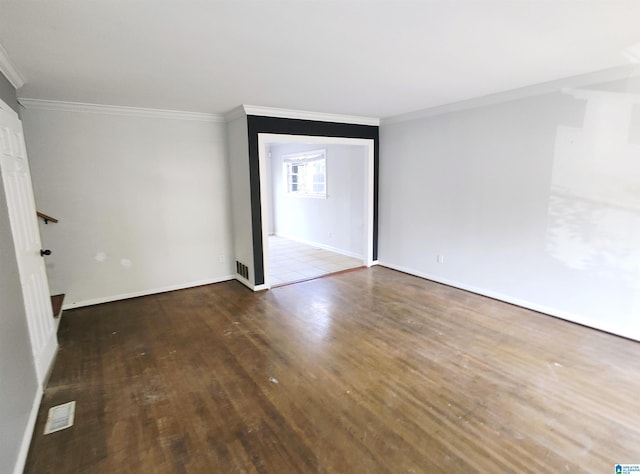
28, 246
265, 181
257, 124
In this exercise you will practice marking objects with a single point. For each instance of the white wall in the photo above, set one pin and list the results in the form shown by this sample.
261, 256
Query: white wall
238, 145
534, 201
143, 202
336, 222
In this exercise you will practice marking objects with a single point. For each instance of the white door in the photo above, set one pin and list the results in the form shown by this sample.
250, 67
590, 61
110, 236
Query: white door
26, 237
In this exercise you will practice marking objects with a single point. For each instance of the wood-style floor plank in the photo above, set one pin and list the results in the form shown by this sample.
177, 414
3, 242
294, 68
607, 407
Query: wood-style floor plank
367, 371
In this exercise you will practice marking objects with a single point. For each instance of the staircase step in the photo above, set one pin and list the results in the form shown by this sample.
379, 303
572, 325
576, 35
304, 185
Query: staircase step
56, 304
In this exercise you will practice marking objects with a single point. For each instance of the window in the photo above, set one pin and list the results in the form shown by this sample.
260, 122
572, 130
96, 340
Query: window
306, 173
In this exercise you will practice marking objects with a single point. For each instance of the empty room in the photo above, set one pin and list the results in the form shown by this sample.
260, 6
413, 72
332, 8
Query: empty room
319, 236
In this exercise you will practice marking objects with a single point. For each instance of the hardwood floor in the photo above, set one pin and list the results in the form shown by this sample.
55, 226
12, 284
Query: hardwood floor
367, 371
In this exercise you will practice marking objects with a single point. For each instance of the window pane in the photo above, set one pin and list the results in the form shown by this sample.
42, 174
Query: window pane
306, 173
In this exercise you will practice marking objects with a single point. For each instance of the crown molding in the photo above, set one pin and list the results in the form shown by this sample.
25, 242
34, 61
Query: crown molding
9, 70
304, 115
40, 104
572, 82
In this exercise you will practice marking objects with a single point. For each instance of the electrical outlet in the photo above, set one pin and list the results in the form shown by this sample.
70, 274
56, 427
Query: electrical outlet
440, 259
222, 258
330, 234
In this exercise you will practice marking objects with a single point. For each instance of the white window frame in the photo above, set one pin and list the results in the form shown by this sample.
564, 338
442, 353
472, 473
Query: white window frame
304, 159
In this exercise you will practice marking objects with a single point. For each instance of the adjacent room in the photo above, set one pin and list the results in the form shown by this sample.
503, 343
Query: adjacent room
317, 205
280, 236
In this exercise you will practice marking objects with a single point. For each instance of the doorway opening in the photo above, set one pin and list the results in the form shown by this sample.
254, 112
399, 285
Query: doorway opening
317, 205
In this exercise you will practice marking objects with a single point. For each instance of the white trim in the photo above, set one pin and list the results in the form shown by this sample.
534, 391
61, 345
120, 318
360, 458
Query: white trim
28, 432
9, 70
520, 93
323, 246
305, 115
369, 198
265, 212
135, 294
547, 310
57, 105
251, 286
6, 108
244, 281
314, 139
45, 359
52, 364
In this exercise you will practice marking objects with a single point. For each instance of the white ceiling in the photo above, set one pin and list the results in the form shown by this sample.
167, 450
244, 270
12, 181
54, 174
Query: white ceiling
370, 58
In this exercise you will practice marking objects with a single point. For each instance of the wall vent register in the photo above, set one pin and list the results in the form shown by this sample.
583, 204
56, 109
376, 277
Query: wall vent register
60, 417
242, 270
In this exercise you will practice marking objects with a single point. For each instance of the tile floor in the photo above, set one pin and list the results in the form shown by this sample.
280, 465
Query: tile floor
291, 261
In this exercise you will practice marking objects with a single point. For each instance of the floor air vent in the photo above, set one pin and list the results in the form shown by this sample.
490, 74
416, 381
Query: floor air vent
60, 417
242, 270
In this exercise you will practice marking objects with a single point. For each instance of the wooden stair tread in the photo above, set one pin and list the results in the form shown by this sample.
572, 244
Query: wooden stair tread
56, 304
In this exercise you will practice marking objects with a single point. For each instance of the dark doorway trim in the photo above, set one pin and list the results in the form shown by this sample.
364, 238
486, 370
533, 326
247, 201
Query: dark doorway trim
258, 124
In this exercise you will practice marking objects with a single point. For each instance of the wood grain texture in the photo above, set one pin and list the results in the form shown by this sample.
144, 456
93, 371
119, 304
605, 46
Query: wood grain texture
366, 371
46, 218
56, 304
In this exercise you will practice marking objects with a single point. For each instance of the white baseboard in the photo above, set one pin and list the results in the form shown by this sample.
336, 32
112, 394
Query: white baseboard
322, 246
135, 294
28, 433
250, 285
244, 281
575, 318
45, 359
